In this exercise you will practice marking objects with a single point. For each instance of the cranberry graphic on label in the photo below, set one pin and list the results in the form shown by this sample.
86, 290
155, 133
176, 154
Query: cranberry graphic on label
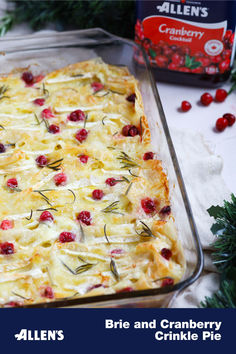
182, 38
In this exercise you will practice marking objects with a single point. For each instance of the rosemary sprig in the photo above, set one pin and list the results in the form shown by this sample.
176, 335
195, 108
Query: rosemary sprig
85, 120
83, 268
45, 91
114, 269
103, 95
22, 297
146, 231
45, 198
141, 128
111, 208
46, 123
37, 120
132, 174
77, 75
128, 189
103, 122
3, 90
31, 214
105, 233
67, 267
126, 160
74, 196
55, 165
45, 209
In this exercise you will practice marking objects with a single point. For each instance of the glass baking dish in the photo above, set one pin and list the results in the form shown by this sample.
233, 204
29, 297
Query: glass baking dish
48, 52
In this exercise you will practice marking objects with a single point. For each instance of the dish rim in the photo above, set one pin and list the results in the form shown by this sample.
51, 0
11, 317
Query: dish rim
89, 300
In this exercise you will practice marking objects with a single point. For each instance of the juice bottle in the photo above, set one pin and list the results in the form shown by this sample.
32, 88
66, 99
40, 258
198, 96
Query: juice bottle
187, 41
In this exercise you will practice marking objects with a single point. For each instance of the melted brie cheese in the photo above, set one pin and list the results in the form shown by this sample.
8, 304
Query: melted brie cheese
122, 246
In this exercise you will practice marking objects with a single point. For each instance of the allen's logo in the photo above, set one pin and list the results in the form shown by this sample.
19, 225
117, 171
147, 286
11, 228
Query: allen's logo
182, 9
44, 334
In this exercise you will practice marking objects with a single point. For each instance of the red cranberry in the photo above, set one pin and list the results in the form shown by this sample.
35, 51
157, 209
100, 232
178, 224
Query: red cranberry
166, 253
7, 224
7, 248
228, 34
131, 98
221, 124
28, 78
41, 161
83, 158
165, 210
133, 131
186, 106
224, 65
85, 217
130, 130
81, 135
161, 61
206, 99
148, 205
97, 86
2, 148
117, 251
97, 194
14, 304
95, 286
172, 66
226, 54
125, 290
216, 59
168, 52
76, 116
12, 183
230, 118
221, 95
177, 59
47, 113
185, 50
166, 282
211, 70
39, 101
60, 179
54, 129
46, 216
148, 156
66, 236
48, 292
125, 130
204, 61
111, 181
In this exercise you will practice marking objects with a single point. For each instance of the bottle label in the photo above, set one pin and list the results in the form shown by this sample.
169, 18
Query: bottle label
182, 37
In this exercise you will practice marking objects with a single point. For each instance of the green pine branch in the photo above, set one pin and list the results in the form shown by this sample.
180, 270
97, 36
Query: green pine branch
224, 255
115, 16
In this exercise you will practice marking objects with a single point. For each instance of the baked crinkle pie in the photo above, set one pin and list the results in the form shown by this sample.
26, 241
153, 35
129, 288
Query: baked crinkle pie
85, 204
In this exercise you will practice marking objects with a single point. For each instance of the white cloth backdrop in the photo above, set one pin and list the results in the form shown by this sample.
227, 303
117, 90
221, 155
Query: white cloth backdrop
201, 170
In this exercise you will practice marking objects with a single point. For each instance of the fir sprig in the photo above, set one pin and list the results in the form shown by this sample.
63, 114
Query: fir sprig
72, 14
224, 228
224, 255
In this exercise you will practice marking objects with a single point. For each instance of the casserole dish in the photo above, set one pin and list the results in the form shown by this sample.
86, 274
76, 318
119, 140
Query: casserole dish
43, 54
